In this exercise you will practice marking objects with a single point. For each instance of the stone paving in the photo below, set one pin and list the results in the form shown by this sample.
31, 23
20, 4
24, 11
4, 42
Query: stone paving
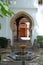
36, 61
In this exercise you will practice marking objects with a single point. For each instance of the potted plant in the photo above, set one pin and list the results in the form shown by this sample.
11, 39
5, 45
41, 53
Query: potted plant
3, 42
40, 41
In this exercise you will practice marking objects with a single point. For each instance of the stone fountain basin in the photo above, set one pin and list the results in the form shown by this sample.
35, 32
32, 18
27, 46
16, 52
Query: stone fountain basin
27, 56
17, 55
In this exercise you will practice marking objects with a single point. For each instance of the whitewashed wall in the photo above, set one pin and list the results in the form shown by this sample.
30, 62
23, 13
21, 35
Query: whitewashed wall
39, 17
24, 3
36, 13
3, 27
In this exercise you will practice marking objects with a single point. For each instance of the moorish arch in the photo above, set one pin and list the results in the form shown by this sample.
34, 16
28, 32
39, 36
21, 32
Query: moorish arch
22, 25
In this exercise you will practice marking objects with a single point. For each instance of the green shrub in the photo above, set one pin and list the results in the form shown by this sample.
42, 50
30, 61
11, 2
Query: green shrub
40, 41
3, 42
39, 38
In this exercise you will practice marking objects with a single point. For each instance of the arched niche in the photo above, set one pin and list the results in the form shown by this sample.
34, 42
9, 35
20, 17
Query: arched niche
19, 27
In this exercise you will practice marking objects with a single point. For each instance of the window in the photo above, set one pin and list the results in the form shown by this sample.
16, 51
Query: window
40, 2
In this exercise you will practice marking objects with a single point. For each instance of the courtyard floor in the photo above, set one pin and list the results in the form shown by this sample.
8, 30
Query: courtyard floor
36, 61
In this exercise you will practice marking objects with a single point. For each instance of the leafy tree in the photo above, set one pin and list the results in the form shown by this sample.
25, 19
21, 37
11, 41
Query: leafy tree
4, 9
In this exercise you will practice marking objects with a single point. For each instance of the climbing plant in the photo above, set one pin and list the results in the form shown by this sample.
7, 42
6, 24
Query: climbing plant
5, 10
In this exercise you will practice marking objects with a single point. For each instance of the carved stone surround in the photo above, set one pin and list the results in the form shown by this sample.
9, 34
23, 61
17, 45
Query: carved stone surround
14, 30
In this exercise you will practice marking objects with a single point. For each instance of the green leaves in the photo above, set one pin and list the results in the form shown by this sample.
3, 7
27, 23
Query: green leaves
40, 38
4, 9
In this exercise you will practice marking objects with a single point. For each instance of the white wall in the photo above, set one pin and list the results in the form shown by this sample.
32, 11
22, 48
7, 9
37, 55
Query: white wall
37, 15
3, 27
5, 30
24, 3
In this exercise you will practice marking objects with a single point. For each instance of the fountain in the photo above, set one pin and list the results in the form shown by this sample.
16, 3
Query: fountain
22, 49
22, 55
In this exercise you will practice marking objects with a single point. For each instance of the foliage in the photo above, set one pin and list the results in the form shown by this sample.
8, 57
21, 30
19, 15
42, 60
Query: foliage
4, 9
40, 41
3, 42
39, 38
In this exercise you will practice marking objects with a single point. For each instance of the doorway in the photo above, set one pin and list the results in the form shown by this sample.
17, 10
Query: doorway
22, 32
